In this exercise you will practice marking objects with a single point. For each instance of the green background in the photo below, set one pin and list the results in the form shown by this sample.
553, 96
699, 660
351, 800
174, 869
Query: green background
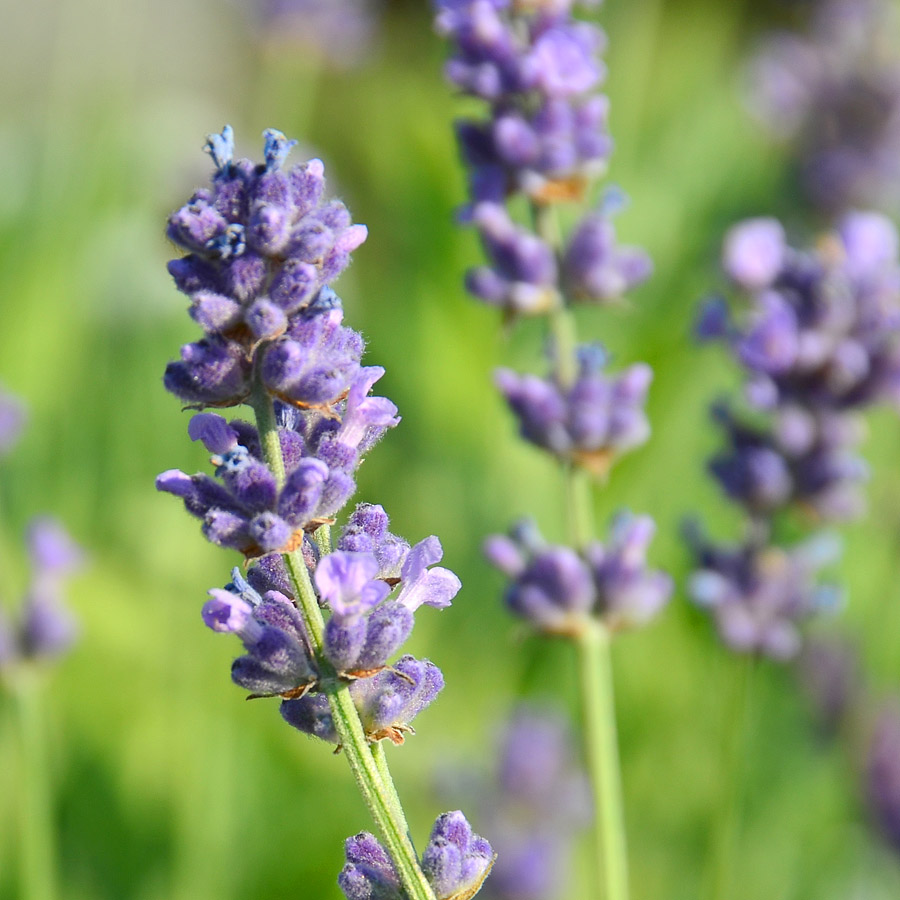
168, 785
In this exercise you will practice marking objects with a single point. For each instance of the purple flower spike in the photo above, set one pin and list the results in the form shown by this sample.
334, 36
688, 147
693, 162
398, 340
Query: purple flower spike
456, 860
12, 421
436, 586
369, 873
262, 249
345, 580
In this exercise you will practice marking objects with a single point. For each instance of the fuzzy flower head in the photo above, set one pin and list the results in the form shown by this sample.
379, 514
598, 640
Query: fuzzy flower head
262, 245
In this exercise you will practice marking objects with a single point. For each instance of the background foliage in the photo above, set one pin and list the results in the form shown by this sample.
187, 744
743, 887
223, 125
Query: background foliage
169, 785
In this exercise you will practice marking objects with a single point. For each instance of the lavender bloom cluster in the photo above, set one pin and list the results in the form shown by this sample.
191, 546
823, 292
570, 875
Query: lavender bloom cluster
456, 862
545, 138
588, 422
268, 239
43, 628
818, 343
834, 94
263, 246
559, 591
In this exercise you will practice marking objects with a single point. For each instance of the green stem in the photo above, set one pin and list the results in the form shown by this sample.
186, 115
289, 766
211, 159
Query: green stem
595, 670
731, 778
592, 644
381, 762
37, 864
381, 800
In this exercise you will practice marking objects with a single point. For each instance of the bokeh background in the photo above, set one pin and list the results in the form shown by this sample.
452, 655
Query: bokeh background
168, 785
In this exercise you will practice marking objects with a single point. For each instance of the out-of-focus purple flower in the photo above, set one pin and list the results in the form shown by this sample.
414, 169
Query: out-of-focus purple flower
754, 253
523, 273
533, 803
822, 329
45, 627
760, 595
558, 590
590, 422
882, 777
538, 69
802, 459
455, 861
12, 420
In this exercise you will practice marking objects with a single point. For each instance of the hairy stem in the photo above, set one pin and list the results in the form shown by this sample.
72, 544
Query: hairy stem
380, 799
37, 863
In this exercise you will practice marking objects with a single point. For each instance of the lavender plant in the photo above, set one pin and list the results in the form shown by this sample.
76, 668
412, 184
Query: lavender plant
263, 246
543, 143
816, 339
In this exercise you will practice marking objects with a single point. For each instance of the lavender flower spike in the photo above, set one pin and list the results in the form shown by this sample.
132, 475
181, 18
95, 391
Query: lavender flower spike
319, 627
